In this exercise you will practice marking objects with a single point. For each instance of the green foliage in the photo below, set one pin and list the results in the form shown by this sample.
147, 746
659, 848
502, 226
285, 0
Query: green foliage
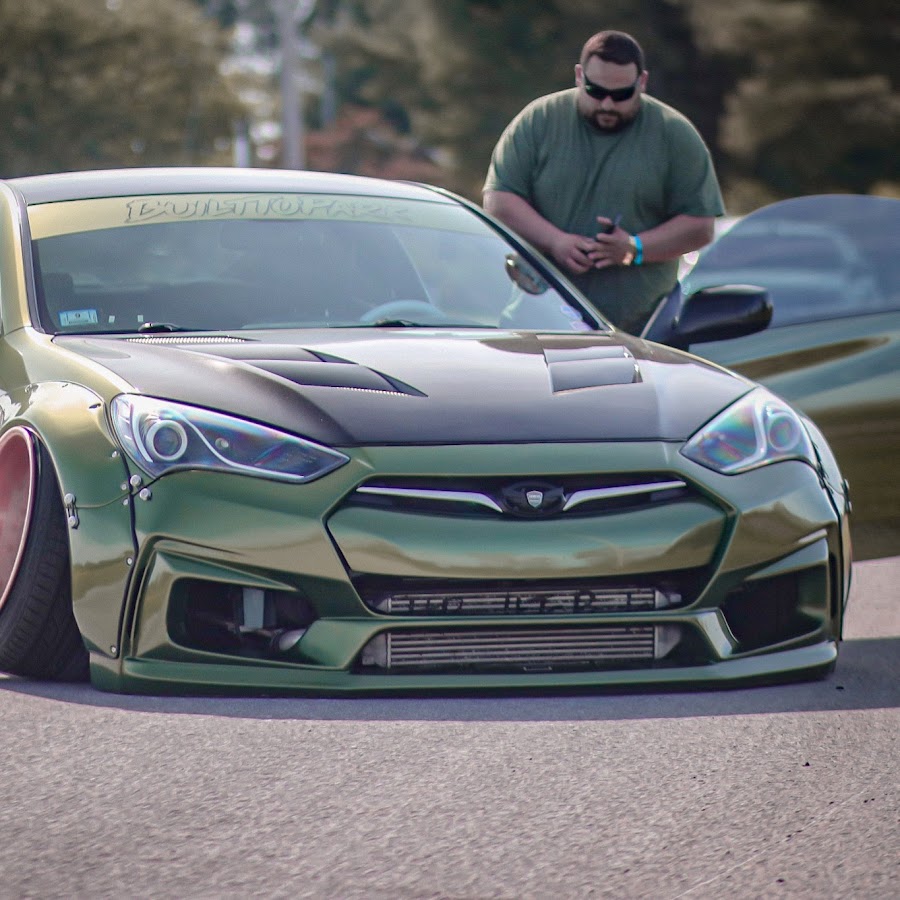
793, 96
462, 69
105, 83
817, 109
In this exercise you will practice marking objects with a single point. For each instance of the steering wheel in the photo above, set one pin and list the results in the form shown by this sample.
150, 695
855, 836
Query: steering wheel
402, 309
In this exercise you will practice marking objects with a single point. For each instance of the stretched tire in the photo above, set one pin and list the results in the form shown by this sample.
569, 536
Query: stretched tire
38, 634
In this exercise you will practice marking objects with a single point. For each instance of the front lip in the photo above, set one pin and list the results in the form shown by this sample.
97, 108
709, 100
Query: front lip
417, 386
154, 676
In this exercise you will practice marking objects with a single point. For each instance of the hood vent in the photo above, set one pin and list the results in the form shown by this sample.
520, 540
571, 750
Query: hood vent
334, 375
295, 364
576, 368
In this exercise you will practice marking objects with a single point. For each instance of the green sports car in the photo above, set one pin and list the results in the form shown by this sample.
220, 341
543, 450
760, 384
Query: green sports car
282, 432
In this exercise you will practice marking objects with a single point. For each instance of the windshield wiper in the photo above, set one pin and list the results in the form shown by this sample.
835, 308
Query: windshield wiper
393, 323
158, 327
408, 323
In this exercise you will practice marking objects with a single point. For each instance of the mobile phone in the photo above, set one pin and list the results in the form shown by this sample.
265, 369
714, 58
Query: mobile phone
609, 229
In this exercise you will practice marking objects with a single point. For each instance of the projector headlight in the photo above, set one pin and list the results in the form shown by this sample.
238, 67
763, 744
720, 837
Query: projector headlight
756, 430
161, 436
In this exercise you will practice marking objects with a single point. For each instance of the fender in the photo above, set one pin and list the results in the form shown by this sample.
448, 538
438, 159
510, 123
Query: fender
70, 421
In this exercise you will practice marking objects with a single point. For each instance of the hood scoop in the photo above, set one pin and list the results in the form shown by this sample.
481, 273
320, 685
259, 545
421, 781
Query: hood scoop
576, 368
308, 368
347, 375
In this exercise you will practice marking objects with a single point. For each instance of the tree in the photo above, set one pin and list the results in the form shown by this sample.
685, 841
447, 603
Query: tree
817, 109
793, 96
96, 83
363, 142
460, 69
274, 31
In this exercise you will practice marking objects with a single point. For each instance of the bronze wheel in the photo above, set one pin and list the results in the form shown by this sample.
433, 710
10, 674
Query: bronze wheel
38, 633
18, 477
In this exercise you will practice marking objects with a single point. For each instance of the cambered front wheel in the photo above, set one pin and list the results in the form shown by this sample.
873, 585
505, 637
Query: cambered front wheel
39, 637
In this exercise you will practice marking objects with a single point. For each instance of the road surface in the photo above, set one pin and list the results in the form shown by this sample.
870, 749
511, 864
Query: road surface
789, 791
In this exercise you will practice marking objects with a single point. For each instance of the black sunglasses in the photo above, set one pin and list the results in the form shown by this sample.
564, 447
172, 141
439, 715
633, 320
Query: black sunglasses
617, 95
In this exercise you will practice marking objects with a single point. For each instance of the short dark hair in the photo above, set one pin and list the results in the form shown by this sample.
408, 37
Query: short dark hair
615, 47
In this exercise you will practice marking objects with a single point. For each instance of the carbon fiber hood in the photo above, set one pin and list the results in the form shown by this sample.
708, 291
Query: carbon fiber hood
393, 386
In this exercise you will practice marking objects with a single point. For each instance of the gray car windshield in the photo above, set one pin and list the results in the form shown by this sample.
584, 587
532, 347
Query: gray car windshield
218, 262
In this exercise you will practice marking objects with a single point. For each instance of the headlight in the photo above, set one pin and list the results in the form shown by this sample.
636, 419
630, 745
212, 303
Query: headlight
756, 430
161, 436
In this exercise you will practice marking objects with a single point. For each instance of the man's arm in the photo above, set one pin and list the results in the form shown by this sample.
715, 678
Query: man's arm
577, 253
571, 251
680, 234
668, 240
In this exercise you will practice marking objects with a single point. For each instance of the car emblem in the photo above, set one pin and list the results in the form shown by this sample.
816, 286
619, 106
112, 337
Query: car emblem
534, 498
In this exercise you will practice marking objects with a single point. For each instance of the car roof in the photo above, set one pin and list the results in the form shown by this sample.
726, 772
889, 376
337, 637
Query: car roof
787, 228
194, 180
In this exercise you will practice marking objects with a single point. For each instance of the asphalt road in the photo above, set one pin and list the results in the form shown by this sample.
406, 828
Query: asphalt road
788, 791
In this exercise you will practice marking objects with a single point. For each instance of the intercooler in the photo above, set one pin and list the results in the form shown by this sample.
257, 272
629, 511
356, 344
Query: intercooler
448, 599
517, 649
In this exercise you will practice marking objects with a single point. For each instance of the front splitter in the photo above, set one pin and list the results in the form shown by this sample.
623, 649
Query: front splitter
145, 676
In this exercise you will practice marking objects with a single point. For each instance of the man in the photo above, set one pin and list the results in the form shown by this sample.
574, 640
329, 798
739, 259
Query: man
601, 156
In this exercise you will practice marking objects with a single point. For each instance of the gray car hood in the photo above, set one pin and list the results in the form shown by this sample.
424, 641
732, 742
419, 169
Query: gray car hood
371, 386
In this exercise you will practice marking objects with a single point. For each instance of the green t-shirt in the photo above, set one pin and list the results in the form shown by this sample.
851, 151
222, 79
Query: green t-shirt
656, 168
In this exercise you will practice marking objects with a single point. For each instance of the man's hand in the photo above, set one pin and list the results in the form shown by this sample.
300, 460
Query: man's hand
573, 252
613, 248
669, 240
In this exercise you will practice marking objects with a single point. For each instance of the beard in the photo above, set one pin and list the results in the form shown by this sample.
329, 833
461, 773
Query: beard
608, 122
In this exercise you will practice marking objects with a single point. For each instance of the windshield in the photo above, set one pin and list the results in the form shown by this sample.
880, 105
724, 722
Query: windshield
821, 257
223, 262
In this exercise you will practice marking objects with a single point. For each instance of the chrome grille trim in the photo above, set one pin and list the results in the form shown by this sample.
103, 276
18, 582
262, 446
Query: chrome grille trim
515, 648
575, 499
625, 490
525, 601
429, 494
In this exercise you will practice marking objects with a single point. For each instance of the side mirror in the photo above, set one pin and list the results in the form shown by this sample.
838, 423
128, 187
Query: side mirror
711, 314
525, 275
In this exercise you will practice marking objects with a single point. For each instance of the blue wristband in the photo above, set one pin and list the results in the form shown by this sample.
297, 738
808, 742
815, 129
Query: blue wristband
638, 250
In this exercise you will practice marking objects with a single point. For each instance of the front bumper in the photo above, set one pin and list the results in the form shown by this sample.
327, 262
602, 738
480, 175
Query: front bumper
142, 676
752, 567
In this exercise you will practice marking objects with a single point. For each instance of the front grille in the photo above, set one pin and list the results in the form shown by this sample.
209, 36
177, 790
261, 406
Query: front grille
530, 498
528, 649
523, 601
513, 597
